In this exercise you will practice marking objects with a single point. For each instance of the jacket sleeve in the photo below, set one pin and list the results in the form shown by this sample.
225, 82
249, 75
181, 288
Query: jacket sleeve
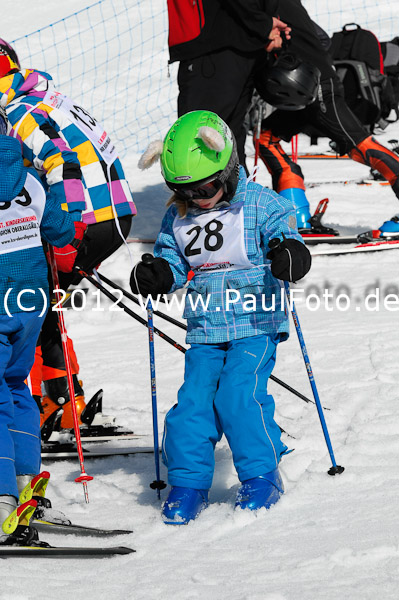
57, 226
253, 18
166, 247
50, 154
278, 218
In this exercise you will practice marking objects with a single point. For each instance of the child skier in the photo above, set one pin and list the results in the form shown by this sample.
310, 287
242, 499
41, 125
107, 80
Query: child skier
25, 217
218, 226
80, 168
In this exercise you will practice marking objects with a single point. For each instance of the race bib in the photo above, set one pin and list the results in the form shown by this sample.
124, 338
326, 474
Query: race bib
20, 219
213, 241
79, 116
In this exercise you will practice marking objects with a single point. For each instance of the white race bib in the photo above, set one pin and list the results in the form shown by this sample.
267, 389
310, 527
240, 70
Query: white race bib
91, 128
20, 219
213, 241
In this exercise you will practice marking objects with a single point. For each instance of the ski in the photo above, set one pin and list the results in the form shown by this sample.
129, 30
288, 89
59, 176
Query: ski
23, 539
67, 451
42, 525
91, 435
315, 238
368, 247
106, 434
65, 551
317, 233
314, 184
321, 155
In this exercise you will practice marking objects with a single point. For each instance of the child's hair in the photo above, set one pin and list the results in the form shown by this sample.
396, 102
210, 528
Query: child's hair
181, 205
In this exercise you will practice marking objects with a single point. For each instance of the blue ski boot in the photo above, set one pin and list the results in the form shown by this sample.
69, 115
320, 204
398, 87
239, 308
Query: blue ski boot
262, 491
183, 505
299, 200
390, 229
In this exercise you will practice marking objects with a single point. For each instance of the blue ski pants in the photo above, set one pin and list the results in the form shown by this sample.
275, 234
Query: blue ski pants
19, 413
224, 391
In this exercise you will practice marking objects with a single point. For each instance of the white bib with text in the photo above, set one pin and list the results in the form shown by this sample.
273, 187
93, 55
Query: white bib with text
91, 128
20, 219
213, 241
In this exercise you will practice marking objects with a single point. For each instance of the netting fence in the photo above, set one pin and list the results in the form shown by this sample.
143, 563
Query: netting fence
112, 57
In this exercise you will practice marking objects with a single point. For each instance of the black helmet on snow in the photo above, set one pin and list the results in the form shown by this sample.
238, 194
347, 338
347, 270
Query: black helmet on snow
289, 84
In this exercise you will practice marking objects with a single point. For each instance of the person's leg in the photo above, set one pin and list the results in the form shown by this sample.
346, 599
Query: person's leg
191, 426
246, 410
101, 240
332, 116
284, 171
8, 482
221, 82
246, 413
190, 433
287, 176
373, 154
25, 427
339, 122
19, 413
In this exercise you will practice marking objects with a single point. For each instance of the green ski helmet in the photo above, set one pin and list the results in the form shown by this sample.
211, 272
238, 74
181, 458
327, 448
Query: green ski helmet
199, 149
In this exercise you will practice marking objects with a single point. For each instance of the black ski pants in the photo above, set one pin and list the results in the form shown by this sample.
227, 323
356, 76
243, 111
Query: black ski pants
328, 116
221, 82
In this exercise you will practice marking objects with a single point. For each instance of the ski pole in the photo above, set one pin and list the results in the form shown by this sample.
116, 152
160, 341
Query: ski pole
257, 137
136, 301
294, 148
127, 310
335, 469
183, 326
84, 478
158, 484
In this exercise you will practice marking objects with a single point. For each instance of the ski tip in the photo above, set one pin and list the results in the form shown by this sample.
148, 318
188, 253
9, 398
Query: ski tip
120, 531
63, 551
125, 550
74, 529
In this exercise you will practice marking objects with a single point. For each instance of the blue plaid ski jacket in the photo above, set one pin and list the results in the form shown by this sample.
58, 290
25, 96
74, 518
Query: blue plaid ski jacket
266, 215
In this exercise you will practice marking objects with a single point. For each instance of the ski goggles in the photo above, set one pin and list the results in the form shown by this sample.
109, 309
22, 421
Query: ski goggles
205, 190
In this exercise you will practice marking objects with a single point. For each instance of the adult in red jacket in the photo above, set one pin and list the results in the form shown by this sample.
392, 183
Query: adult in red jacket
218, 43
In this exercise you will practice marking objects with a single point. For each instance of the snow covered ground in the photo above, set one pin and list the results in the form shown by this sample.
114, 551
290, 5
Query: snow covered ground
331, 538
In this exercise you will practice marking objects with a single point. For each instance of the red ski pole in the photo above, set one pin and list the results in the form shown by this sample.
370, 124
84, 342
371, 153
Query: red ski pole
84, 478
294, 146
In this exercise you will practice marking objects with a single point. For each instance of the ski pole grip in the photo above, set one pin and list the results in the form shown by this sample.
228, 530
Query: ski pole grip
147, 258
274, 243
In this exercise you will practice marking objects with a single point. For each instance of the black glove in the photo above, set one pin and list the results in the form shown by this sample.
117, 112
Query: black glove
151, 276
290, 258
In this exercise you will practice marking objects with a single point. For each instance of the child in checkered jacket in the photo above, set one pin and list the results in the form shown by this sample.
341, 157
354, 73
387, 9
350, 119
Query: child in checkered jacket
80, 168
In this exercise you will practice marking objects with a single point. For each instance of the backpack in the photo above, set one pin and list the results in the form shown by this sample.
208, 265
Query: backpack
359, 63
390, 53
